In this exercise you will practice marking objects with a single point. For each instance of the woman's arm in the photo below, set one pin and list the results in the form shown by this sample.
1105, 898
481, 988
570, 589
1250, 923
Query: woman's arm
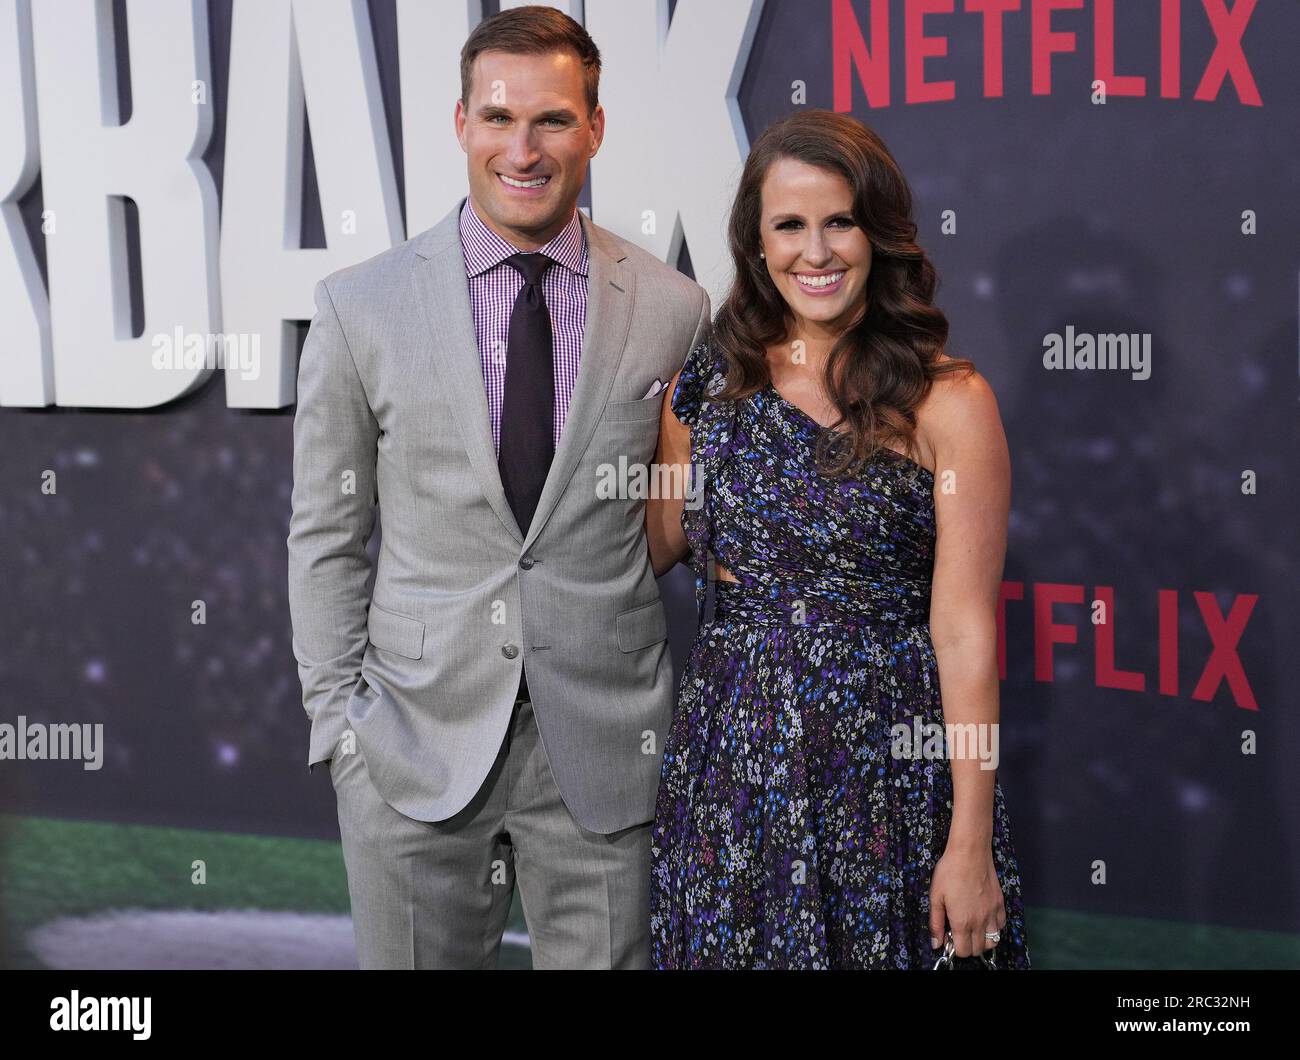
972, 497
663, 514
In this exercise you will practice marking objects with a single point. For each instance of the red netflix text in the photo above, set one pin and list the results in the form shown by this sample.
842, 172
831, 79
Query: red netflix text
1222, 666
861, 52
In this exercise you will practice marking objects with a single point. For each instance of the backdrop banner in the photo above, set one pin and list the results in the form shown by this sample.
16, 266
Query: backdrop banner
1108, 192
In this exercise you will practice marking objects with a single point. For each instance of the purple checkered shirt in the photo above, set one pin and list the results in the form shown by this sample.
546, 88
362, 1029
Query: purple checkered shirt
493, 288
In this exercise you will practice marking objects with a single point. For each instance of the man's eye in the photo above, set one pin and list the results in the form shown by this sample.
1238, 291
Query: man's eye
497, 118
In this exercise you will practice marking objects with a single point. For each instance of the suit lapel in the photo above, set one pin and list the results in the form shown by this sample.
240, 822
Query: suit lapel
609, 310
442, 293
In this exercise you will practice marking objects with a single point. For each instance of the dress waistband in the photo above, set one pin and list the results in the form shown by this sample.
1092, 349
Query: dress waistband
780, 605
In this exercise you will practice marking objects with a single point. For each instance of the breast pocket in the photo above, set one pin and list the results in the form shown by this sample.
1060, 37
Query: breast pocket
641, 409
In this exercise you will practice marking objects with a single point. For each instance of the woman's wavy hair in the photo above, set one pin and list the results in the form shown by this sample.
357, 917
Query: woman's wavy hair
882, 367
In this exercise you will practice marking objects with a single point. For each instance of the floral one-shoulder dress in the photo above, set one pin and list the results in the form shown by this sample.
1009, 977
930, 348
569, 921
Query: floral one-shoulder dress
786, 833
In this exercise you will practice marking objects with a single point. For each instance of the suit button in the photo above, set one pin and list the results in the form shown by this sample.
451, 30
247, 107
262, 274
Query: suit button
509, 651
526, 563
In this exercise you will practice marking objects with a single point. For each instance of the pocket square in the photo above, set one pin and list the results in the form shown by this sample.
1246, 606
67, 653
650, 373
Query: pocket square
657, 387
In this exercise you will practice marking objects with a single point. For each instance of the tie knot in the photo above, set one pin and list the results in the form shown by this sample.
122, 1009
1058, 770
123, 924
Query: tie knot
530, 266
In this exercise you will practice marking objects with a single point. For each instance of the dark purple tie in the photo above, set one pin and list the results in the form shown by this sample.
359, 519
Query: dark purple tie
528, 409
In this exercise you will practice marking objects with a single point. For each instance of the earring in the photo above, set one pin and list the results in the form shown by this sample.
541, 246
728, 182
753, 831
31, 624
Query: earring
762, 254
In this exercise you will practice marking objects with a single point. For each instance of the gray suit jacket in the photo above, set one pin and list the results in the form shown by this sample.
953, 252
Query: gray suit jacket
392, 414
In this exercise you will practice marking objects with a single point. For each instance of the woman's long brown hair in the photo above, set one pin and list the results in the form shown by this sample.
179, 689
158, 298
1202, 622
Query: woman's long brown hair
881, 368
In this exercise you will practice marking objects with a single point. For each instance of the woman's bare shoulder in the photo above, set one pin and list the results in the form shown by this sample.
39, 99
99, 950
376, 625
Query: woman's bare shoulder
955, 401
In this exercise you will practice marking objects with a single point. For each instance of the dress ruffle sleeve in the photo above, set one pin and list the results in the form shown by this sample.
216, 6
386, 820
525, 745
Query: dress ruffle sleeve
702, 376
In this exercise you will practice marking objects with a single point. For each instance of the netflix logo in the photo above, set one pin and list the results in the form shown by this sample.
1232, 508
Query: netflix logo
861, 31
1052, 628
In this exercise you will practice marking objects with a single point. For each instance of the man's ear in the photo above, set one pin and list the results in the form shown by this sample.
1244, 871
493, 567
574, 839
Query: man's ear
597, 129
459, 118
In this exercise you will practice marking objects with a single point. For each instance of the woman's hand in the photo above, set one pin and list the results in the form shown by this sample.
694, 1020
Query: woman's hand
966, 893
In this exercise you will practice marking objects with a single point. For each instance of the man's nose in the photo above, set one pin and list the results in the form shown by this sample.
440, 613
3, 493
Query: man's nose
522, 152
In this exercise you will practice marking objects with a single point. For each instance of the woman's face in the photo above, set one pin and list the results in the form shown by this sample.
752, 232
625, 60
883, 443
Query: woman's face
816, 254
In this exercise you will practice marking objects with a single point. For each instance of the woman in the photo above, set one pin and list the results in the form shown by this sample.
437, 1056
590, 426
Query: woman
852, 529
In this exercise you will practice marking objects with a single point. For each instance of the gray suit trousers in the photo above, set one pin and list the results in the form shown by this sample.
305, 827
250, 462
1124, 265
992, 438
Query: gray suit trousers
437, 894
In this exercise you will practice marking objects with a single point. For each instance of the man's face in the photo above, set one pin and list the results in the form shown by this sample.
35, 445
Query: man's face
528, 137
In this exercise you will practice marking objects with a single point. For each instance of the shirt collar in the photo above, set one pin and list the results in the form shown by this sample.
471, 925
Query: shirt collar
484, 249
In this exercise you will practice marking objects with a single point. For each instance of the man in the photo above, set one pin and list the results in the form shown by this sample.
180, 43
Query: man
506, 690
